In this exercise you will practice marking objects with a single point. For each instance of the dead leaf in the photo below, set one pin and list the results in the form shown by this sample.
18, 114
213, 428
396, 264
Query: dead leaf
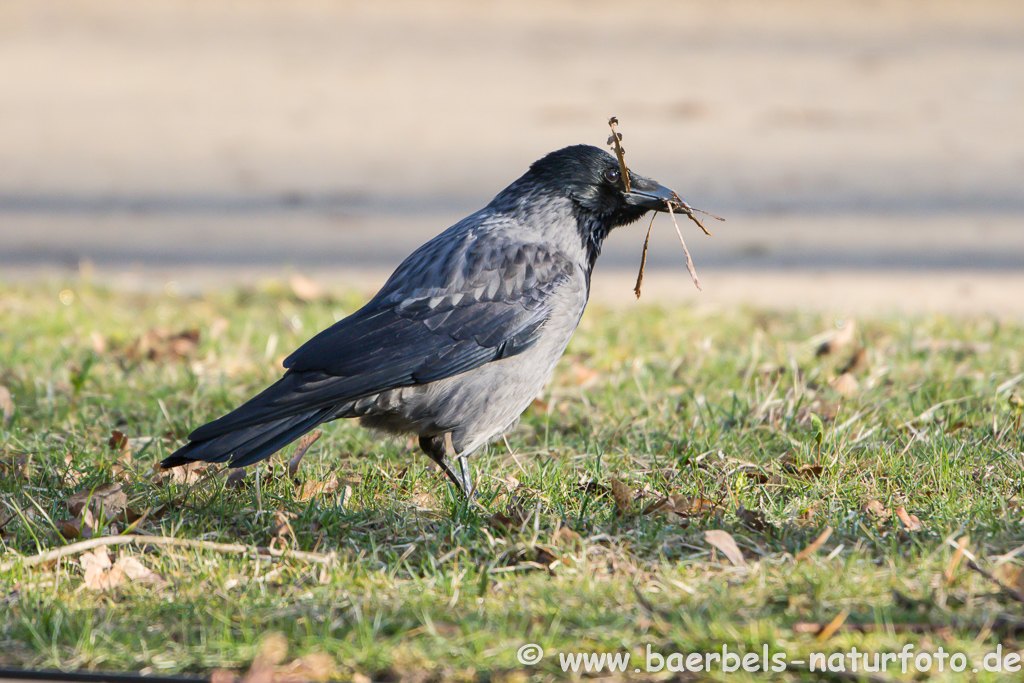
159, 344
622, 495
910, 522
6, 405
753, 520
100, 574
82, 526
723, 541
300, 450
510, 520
876, 509
104, 501
183, 475
840, 338
680, 505
282, 528
565, 536
845, 384
118, 441
236, 479
310, 489
815, 545
304, 288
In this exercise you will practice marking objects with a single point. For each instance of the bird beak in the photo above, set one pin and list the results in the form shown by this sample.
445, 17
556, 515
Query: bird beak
647, 194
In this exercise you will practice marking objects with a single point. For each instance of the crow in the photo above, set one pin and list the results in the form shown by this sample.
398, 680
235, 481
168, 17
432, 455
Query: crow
463, 335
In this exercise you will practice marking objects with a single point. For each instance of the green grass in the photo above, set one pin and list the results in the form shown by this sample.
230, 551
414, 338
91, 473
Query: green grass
732, 409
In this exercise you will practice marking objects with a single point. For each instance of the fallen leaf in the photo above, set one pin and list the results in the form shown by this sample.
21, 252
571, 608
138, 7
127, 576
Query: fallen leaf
622, 495
724, 541
910, 522
236, 479
510, 520
875, 508
565, 536
845, 384
183, 475
683, 506
282, 528
95, 564
840, 338
310, 489
159, 343
104, 501
815, 545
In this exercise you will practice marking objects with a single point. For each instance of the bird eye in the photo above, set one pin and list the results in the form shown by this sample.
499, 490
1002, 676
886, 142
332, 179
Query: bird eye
612, 175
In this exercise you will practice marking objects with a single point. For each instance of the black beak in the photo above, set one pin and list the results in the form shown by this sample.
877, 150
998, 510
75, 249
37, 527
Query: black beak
647, 194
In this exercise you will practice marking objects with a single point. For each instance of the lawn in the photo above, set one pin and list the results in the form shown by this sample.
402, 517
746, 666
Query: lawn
785, 486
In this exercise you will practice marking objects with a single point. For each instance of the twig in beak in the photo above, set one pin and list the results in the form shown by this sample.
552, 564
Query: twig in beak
689, 261
643, 258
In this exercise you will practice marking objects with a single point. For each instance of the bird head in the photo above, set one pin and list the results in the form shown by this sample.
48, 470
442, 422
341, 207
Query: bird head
591, 179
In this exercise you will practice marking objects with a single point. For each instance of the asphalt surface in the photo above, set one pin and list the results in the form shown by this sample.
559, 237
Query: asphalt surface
873, 143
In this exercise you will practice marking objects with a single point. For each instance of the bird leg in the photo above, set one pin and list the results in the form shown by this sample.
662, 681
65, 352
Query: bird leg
466, 476
434, 447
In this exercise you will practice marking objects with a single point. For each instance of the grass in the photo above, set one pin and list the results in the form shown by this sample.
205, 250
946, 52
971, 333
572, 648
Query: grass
730, 412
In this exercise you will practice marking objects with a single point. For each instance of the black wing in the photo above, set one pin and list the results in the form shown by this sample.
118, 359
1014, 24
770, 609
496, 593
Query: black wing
487, 299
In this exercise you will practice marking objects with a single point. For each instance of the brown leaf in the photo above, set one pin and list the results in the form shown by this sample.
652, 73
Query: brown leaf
236, 478
118, 441
159, 344
565, 536
300, 450
724, 541
753, 520
310, 489
683, 506
95, 564
106, 500
815, 545
876, 509
510, 520
845, 384
272, 651
282, 527
184, 475
82, 526
840, 338
622, 494
6, 405
910, 522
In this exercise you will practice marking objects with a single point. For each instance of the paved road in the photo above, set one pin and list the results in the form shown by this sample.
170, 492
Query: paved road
222, 137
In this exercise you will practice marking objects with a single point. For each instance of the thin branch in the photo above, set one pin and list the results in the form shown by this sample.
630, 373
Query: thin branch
138, 539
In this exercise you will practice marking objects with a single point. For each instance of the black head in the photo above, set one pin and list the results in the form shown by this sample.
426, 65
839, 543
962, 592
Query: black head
591, 179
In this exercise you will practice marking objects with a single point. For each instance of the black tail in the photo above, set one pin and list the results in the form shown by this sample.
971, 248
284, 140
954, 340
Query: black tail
251, 444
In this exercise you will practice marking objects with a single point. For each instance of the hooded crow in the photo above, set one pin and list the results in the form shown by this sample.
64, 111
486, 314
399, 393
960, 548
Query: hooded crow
463, 335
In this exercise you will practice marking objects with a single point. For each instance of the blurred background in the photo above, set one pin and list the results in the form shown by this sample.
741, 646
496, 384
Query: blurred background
866, 154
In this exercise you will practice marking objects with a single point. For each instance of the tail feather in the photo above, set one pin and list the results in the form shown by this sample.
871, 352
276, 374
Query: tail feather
250, 444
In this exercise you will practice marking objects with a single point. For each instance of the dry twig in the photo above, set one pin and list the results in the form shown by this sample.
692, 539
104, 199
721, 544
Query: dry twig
124, 539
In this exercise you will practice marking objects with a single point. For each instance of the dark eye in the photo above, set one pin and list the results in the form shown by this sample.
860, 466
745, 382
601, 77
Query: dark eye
612, 175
